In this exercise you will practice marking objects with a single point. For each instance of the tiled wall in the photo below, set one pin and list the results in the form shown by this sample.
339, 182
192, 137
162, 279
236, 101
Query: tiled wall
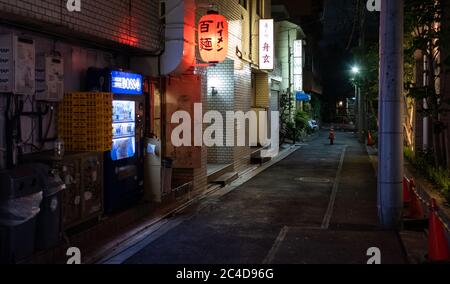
243, 102
200, 174
234, 86
221, 77
234, 94
134, 23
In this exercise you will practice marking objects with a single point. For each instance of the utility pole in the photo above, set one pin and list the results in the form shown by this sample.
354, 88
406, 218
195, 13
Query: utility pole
362, 46
390, 166
361, 98
360, 113
290, 74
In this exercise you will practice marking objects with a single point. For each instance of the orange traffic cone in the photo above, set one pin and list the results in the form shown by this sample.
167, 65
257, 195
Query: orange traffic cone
415, 206
406, 193
369, 139
437, 242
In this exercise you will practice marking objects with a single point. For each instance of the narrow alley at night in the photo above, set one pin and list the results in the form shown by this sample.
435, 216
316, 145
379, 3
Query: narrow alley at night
318, 205
224, 139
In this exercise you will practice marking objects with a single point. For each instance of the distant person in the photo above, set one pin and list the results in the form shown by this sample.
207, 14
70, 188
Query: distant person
331, 136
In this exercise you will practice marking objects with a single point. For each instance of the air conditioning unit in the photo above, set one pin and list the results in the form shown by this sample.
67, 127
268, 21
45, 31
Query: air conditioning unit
49, 78
17, 65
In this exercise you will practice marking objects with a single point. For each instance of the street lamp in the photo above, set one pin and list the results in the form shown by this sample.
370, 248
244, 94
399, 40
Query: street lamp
356, 70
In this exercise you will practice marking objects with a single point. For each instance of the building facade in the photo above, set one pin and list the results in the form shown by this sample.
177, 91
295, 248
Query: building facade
158, 41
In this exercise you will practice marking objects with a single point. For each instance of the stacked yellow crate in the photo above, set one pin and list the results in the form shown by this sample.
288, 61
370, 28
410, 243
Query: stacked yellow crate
85, 121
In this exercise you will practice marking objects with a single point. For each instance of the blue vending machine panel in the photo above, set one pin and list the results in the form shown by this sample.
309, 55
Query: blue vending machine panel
125, 83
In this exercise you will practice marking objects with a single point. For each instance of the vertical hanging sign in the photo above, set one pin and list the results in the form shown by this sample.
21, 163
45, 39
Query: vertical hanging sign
213, 37
298, 65
266, 44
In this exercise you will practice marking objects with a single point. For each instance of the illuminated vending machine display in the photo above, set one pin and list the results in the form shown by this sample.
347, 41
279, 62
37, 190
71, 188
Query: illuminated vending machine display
124, 130
123, 173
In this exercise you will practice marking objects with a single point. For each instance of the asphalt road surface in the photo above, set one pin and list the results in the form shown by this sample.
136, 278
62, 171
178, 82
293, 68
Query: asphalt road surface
316, 206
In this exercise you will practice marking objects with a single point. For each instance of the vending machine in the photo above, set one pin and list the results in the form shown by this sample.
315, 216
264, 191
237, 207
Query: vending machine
124, 164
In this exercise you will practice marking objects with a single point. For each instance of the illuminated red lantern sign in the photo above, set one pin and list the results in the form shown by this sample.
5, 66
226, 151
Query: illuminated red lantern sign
213, 37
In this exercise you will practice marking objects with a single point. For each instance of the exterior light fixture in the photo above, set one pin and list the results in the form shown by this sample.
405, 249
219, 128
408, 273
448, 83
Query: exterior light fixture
355, 70
214, 91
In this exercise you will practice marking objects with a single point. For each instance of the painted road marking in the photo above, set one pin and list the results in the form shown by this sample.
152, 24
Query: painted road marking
337, 180
276, 246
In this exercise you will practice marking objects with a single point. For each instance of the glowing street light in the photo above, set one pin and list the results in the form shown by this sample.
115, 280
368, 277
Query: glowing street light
360, 113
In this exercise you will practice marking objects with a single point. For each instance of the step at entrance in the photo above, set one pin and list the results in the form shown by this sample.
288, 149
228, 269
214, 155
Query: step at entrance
256, 158
226, 178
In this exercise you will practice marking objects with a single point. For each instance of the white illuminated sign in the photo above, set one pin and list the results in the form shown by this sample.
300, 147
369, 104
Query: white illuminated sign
266, 44
126, 84
298, 65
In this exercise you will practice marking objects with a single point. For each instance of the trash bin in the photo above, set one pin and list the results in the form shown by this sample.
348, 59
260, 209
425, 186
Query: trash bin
49, 220
20, 199
166, 181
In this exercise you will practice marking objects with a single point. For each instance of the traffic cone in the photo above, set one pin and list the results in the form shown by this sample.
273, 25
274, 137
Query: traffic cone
437, 242
369, 139
415, 206
406, 193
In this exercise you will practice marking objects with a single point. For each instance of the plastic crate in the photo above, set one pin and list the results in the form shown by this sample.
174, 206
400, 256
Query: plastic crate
85, 121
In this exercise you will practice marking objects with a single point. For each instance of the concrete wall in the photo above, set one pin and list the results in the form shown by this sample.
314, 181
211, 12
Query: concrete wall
286, 34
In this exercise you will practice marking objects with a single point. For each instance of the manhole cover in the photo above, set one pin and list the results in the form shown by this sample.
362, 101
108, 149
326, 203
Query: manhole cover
313, 180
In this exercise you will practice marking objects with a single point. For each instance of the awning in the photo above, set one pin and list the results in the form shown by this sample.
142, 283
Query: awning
302, 96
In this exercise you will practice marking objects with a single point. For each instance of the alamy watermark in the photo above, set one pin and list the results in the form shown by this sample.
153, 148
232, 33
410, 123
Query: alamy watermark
228, 131
375, 255
374, 5
74, 255
73, 5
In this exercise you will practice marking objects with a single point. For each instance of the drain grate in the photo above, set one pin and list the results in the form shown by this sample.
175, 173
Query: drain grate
313, 180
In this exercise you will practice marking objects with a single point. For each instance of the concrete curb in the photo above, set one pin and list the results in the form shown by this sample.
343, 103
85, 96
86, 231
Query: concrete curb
424, 188
411, 241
